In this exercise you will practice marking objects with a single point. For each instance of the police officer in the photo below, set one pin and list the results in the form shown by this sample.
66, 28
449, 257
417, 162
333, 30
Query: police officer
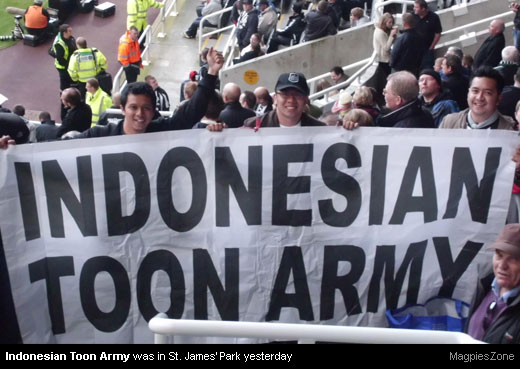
62, 48
97, 99
85, 63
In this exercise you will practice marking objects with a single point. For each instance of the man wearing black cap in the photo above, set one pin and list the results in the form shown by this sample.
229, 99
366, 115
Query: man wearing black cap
291, 98
495, 312
292, 31
433, 98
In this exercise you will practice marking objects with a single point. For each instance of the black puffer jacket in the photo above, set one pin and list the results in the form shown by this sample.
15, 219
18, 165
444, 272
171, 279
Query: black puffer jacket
412, 115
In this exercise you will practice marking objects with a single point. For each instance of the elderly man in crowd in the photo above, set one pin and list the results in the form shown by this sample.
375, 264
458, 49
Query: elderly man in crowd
490, 52
234, 114
495, 311
509, 64
401, 96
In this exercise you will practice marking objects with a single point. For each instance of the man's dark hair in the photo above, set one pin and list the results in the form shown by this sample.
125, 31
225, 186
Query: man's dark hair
72, 96
44, 116
250, 98
408, 19
421, 3
323, 6
19, 110
215, 106
137, 88
337, 70
488, 72
63, 28
454, 62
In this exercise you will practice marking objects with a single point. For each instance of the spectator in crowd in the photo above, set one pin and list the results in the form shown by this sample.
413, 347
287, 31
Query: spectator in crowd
266, 20
138, 106
11, 125
63, 46
247, 23
291, 98
264, 101
490, 52
343, 104
291, 33
79, 116
136, 13
437, 66
319, 23
251, 51
510, 98
433, 98
36, 19
359, 117
404, 55
483, 97
384, 37
112, 118
161, 97
454, 50
428, 26
364, 99
215, 107
210, 7
358, 17
189, 90
47, 129
467, 62
248, 100
405, 111
97, 99
496, 307
336, 11
454, 81
509, 64
337, 76
516, 30
85, 63
233, 114
20, 111
129, 54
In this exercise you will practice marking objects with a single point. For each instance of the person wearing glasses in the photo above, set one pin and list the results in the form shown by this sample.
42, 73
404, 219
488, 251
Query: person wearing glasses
495, 311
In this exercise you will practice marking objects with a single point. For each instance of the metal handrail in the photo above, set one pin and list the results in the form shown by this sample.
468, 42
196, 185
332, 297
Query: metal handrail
150, 30
218, 30
163, 327
477, 23
377, 13
366, 64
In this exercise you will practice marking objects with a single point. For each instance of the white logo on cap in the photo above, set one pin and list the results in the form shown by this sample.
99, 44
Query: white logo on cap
294, 78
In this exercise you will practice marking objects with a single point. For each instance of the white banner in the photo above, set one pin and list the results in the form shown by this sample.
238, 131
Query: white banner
310, 225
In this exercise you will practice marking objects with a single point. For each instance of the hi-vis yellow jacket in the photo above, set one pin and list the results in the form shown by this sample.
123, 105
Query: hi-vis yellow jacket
99, 102
136, 12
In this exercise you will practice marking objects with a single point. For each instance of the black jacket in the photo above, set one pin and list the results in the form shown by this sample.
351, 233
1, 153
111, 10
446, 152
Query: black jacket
247, 25
46, 131
406, 52
294, 28
234, 114
78, 119
506, 329
510, 96
186, 117
508, 71
490, 53
318, 25
14, 126
412, 115
458, 86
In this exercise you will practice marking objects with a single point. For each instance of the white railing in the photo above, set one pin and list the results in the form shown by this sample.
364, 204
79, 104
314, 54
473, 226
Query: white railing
216, 31
465, 27
377, 11
163, 327
170, 8
365, 63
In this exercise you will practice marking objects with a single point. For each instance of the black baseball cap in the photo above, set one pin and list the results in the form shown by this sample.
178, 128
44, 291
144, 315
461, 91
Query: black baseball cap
247, 2
292, 80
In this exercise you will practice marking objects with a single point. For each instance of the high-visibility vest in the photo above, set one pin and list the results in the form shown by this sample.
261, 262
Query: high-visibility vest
129, 50
99, 102
34, 17
136, 12
63, 44
85, 64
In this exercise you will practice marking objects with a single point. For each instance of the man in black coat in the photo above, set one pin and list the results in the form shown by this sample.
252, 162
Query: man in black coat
233, 114
247, 23
490, 52
401, 96
406, 52
79, 115
455, 81
319, 23
292, 31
